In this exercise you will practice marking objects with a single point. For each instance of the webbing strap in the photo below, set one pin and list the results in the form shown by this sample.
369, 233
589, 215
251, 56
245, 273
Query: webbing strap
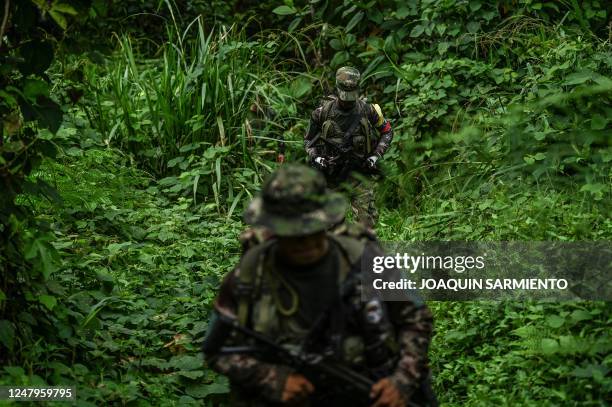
251, 269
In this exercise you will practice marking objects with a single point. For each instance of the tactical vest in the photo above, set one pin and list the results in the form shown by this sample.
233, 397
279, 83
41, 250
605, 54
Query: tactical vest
336, 122
259, 282
259, 304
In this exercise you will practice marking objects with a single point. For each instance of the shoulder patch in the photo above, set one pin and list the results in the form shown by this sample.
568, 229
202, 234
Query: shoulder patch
381, 118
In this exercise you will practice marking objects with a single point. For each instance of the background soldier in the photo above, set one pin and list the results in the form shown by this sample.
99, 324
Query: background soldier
302, 289
346, 138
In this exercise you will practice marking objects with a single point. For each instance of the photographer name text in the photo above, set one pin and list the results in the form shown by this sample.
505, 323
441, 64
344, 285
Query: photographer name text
454, 284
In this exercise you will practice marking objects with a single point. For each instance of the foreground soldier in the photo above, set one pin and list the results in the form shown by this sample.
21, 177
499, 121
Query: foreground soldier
302, 290
346, 138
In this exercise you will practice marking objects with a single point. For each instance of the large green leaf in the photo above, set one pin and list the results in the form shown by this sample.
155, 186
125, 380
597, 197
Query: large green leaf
336, 44
549, 346
42, 254
186, 362
191, 374
354, 21
64, 8
473, 26
475, 5
284, 10
340, 58
417, 31
301, 87
48, 301
555, 321
203, 390
598, 122
48, 113
7, 334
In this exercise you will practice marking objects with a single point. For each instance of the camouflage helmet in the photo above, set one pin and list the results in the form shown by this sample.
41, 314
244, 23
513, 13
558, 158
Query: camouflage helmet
347, 83
295, 201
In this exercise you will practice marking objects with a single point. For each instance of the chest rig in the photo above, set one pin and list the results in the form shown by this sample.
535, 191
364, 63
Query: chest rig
347, 128
369, 343
259, 304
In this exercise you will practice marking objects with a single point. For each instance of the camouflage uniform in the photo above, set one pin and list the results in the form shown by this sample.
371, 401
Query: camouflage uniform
361, 129
262, 297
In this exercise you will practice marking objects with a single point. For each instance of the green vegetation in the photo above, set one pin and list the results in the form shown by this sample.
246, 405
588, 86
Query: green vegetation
126, 160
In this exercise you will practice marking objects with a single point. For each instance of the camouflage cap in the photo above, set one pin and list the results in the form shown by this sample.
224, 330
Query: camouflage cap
347, 83
295, 202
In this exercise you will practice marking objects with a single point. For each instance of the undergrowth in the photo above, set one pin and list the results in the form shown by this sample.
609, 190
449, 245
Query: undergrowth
501, 112
135, 286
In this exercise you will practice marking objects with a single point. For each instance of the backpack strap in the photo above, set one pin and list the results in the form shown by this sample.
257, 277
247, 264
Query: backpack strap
249, 278
368, 127
325, 123
351, 248
326, 107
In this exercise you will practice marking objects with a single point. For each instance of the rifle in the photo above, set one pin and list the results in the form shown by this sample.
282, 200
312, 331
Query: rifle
345, 158
317, 368
346, 149
343, 150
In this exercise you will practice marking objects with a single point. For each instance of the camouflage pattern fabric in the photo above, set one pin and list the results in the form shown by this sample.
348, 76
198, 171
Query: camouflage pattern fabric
347, 83
295, 201
262, 383
330, 110
253, 382
338, 121
360, 190
347, 87
253, 236
414, 327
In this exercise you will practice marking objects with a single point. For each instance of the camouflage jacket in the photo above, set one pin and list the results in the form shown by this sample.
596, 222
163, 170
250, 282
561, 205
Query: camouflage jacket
340, 122
410, 325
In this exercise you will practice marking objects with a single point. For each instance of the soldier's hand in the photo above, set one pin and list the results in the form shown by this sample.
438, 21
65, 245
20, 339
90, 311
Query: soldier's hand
387, 394
321, 162
297, 388
372, 161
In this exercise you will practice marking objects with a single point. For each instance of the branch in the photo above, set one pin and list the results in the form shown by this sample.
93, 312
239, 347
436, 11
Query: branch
7, 4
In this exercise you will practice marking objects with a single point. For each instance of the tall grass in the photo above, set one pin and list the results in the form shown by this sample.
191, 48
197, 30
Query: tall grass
182, 114
195, 94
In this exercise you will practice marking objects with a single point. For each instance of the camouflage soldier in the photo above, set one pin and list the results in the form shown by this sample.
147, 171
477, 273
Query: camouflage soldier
303, 288
346, 138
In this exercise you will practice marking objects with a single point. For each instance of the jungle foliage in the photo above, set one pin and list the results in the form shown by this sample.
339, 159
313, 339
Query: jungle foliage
127, 155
